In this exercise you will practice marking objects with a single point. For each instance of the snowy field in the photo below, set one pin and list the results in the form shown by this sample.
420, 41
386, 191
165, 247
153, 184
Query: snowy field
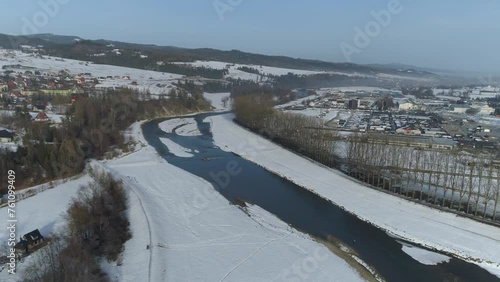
155, 86
402, 77
195, 234
44, 212
297, 102
434, 229
265, 70
326, 115
217, 100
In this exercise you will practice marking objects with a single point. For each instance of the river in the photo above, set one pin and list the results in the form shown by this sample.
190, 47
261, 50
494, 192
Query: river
304, 210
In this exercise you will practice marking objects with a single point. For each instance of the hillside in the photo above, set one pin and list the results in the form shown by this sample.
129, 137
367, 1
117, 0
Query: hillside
77, 48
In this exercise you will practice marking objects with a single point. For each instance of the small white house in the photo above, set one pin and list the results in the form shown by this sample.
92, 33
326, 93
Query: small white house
6, 137
408, 131
461, 109
407, 106
483, 108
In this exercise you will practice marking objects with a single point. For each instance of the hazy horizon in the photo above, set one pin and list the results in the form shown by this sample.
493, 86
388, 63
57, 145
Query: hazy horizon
445, 35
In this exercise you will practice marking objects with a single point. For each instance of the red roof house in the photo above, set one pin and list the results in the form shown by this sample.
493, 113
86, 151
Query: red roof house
42, 117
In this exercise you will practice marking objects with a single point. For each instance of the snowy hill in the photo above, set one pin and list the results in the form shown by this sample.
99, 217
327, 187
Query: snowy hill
75, 47
155, 82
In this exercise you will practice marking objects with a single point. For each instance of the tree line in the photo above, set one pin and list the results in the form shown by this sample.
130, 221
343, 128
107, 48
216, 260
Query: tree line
93, 128
297, 132
293, 81
184, 69
131, 58
459, 180
249, 70
467, 182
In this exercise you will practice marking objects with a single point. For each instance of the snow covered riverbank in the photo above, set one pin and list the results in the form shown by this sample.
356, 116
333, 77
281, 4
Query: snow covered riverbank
445, 232
195, 234
183, 230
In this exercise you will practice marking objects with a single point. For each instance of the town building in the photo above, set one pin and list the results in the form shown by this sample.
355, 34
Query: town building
407, 106
461, 109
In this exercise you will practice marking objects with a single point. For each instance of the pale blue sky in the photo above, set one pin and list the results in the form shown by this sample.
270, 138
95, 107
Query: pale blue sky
452, 34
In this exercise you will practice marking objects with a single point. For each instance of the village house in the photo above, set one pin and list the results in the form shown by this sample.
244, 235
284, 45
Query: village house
29, 241
16, 95
28, 93
58, 91
6, 136
409, 131
42, 117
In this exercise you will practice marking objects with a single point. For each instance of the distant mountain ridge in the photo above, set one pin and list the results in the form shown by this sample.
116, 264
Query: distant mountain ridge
57, 39
78, 48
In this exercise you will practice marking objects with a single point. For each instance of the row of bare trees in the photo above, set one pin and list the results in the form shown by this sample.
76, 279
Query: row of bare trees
464, 181
297, 132
452, 179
